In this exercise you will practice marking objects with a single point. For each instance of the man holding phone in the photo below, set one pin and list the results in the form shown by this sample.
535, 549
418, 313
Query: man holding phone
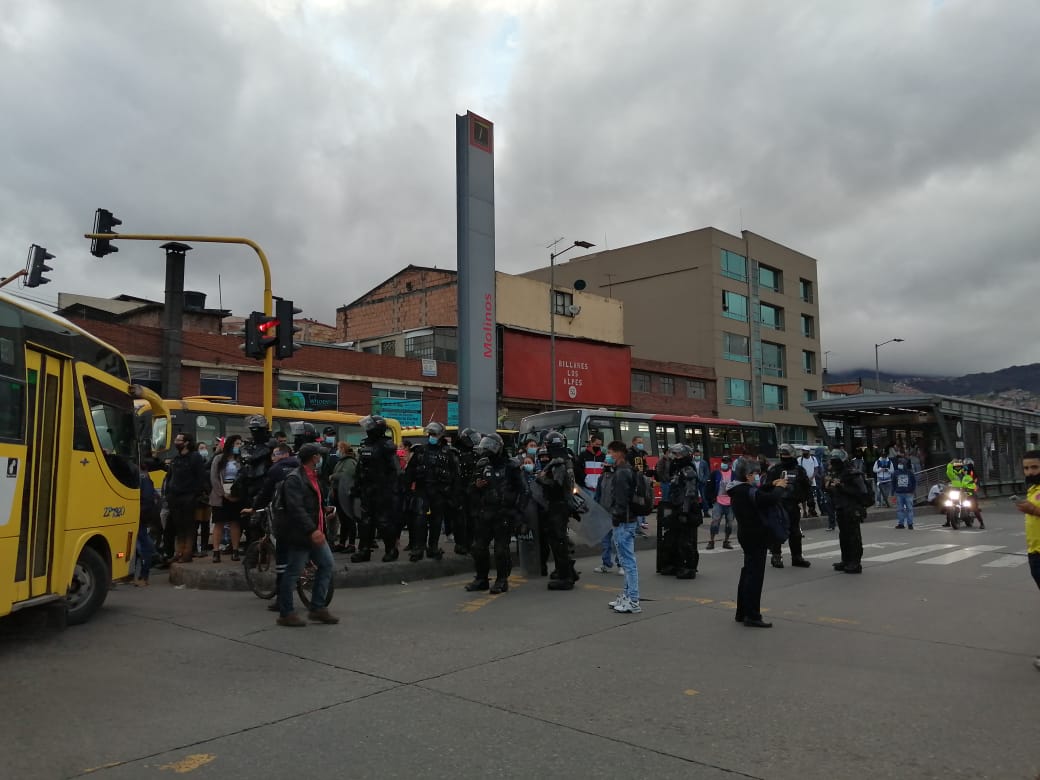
799, 490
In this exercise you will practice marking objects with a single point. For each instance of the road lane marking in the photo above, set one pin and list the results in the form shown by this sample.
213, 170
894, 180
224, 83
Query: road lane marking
913, 551
691, 692
838, 621
189, 763
1008, 561
819, 545
963, 554
872, 546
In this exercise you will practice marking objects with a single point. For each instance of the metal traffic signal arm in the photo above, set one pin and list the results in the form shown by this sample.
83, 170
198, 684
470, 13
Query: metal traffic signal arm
101, 243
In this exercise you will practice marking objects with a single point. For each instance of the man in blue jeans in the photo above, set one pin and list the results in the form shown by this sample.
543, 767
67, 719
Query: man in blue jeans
615, 495
300, 528
904, 485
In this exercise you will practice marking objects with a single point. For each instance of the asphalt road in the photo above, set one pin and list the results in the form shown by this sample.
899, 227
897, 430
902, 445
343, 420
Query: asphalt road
921, 667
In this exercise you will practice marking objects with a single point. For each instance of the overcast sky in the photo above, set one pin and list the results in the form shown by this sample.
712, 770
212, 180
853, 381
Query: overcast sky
896, 141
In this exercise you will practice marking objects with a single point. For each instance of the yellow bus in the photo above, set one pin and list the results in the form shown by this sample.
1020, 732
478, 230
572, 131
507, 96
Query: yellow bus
70, 488
209, 419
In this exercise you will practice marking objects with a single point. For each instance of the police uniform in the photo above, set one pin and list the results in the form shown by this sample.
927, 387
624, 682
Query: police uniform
376, 485
500, 492
432, 473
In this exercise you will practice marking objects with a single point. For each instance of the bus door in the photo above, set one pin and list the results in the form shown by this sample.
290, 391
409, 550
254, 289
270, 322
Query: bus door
665, 435
33, 564
693, 436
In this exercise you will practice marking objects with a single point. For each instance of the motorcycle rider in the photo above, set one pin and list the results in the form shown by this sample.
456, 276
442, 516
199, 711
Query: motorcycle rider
500, 495
798, 490
959, 478
969, 466
464, 526
681, 514
557, 482
376, 484
433, 473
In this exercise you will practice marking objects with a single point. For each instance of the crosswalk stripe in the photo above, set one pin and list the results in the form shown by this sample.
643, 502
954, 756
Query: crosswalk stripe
818, 545
1008, 561
910, 553
963, 554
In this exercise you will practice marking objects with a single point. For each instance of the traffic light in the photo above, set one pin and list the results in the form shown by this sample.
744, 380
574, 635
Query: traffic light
104, 222
285, 313
261, 334
37, 266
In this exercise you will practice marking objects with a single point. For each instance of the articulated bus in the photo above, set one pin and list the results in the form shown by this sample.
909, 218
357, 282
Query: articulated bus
70, 488
714, 437
209, 419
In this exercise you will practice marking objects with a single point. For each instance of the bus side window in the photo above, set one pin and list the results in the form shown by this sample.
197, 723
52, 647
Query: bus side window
693, 436
752, 442
718, 442
664, 436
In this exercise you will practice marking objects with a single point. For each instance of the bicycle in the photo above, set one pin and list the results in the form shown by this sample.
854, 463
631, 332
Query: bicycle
260, 566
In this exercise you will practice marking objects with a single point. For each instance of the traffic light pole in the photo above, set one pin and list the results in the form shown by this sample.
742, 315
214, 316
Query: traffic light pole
12, 277
268, 298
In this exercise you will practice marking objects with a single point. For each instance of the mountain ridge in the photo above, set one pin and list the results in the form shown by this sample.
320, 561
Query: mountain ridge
1016, 386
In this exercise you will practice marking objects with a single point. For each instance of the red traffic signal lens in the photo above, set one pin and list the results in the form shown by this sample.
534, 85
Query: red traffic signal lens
264, 327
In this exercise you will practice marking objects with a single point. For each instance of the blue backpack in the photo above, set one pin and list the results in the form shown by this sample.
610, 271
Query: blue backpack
775, 520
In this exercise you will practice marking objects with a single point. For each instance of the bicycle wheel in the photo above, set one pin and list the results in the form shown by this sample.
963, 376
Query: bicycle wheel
305, 585
259, 564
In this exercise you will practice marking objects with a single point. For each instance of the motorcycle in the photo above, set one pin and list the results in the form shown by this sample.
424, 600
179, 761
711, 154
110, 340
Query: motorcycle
960, 507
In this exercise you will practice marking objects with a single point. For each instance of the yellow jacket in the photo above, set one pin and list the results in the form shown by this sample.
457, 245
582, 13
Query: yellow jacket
1032, 521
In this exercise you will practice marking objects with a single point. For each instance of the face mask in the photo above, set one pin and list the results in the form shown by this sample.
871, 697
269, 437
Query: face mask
724, 467
756, 479
317, 465
696, 457
434, 440
609, 460
330, 439
529, 468
236, 450
641, 447
204, 452
532, 451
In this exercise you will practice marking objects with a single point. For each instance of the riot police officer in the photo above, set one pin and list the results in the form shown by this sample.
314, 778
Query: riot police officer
256, 460
467, 445
376, 484
433, 474
557, 482
680, 514
501, 493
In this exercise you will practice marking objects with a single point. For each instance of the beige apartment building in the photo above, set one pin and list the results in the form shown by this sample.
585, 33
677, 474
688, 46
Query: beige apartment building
744, 305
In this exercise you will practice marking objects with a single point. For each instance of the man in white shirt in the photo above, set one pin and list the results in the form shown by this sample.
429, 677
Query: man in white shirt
812, 468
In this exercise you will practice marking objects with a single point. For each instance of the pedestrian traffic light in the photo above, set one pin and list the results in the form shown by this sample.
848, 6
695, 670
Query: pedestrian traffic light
285, 312
36, 266
104, 222
261, 334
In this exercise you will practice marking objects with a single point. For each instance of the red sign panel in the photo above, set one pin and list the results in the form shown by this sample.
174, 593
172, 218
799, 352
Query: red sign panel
587, 374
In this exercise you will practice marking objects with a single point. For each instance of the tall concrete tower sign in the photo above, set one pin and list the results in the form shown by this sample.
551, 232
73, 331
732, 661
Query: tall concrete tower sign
478, 340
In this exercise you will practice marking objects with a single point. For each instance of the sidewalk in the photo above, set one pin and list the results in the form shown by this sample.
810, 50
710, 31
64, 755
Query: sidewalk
203, 574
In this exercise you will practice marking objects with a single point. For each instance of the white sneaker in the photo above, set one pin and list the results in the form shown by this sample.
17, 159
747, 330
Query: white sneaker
620, 571
628, 606
603, 569
621, 599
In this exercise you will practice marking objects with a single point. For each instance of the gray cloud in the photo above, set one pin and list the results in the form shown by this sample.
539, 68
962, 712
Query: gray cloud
894, 141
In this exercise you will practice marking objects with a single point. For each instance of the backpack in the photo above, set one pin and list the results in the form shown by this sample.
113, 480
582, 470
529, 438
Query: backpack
863, 496
775, 520
643, 495
277, 508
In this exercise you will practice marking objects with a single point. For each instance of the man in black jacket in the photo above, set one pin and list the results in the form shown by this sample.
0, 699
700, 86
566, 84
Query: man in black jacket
800, 489
188, 479
846, 487
300, 528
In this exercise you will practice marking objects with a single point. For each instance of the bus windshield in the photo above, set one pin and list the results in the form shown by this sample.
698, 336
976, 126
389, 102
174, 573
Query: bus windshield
567, 422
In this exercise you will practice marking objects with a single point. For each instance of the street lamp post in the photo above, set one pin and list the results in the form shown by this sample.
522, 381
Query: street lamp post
877, 366
552, 308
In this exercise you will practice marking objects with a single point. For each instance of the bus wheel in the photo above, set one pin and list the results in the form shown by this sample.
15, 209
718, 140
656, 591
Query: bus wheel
89, 586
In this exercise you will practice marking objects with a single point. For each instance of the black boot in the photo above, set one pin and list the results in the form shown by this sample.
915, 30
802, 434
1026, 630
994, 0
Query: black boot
478, 584
416, 554
777, 561
361, 556
501, 585
801, 563
839, 566
685, 574
461, 549
434, 553
391, 555
561, 585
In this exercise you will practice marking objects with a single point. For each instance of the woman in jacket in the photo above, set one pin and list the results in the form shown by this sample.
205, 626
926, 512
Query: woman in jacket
753, 536
223, 495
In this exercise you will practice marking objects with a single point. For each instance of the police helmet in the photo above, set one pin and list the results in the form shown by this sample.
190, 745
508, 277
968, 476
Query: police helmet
839, 455
491, 444
543, 452
468, 439
958, 464
679, 451
374, 424
555, 440
254, 421
968, 463
434, 429
329, 431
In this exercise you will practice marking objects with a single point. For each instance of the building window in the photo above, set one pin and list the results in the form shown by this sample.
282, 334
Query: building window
773, 359
640, 382
770, 278
419, 346
805, 291
735, 347
734, 306
695, 388
734, 266
738, 392
808, 361
402, 404
146, 376
808, 326
371, 349
774, 397
213, 383
388, 347
307, 396
562, 301
667, 385
771, 316
808, 395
